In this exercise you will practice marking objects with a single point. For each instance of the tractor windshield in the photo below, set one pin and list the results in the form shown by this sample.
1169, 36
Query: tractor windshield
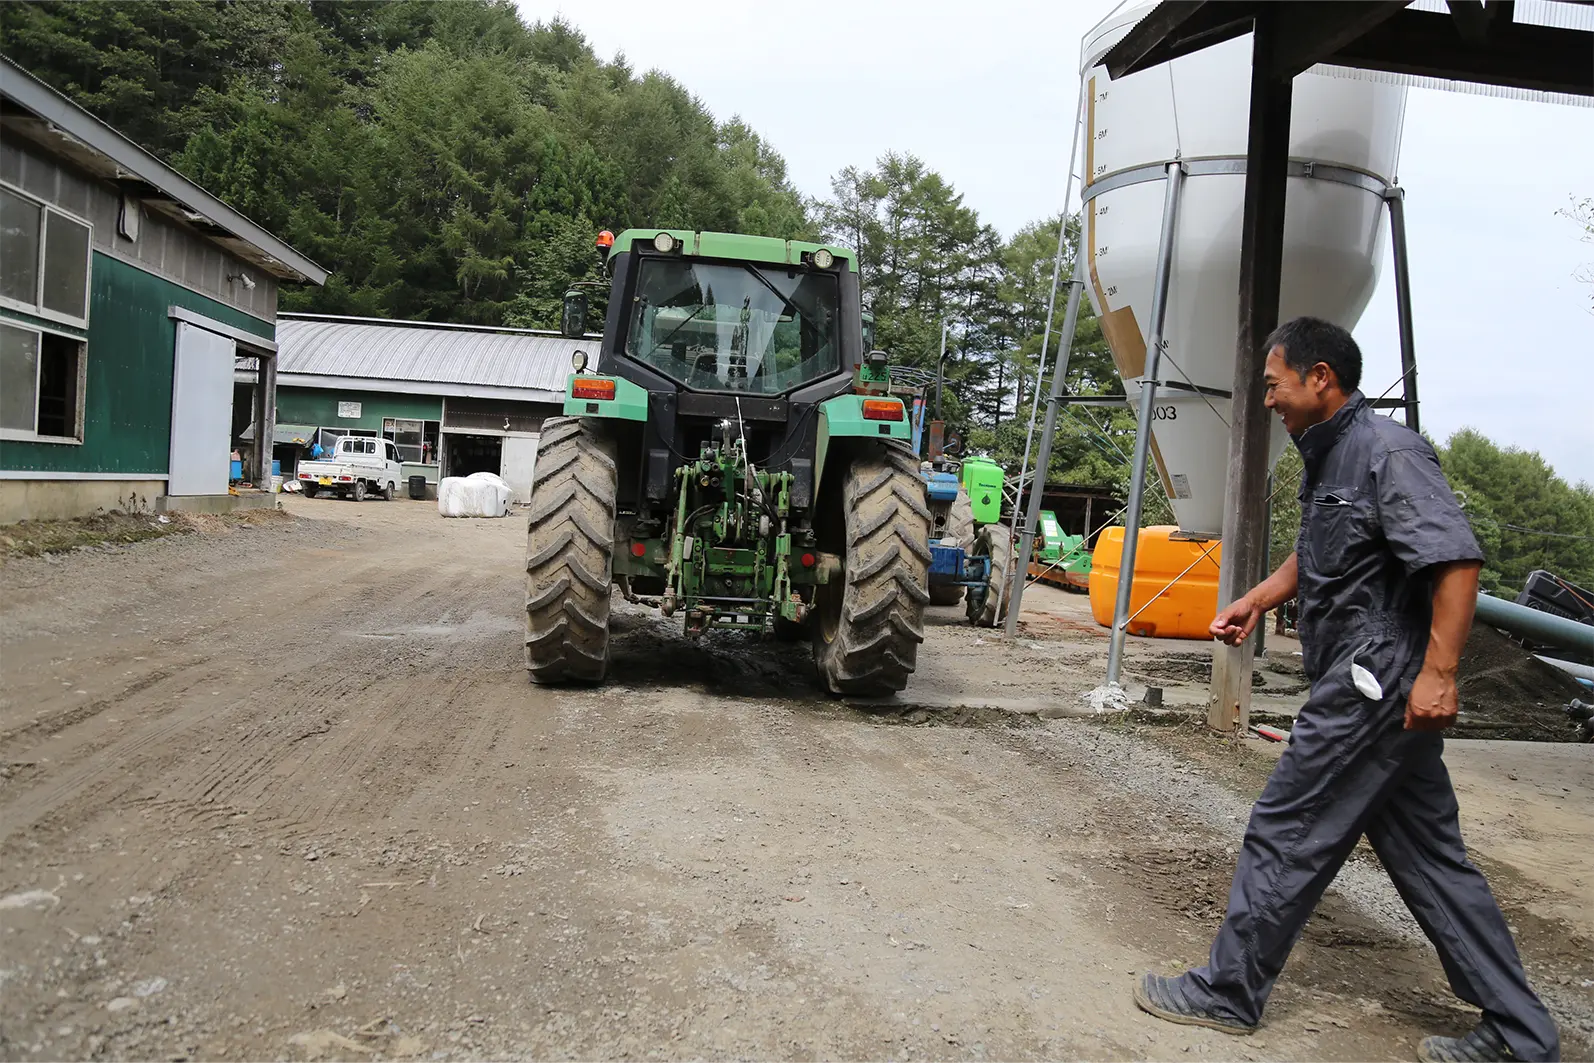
724, 327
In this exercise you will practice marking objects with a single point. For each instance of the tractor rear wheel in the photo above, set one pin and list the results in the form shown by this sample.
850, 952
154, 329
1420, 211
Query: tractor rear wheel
570, 554
995, 542
959, 529
868, 623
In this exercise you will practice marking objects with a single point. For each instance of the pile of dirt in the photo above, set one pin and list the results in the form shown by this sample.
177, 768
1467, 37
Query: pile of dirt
115, 529
31, 538
1506, 692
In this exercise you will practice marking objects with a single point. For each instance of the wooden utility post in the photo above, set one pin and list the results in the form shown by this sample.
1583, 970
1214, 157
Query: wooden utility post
1245, 531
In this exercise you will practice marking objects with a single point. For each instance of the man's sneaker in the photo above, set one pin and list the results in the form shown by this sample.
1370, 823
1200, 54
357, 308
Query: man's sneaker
1165, 998
1482, 1045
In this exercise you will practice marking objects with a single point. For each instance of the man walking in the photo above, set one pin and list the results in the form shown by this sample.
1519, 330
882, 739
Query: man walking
1386, 573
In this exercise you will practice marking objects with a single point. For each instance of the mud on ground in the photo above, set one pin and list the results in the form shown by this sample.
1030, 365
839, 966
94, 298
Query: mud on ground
285, 792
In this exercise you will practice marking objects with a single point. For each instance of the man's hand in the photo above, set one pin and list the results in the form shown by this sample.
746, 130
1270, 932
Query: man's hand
1433, 703
1235, 624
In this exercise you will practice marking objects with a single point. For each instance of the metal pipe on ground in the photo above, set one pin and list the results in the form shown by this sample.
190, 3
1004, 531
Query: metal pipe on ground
1545, 628
1148, 396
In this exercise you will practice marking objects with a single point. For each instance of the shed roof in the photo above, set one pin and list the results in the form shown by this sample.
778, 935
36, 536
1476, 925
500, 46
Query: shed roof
1543, 49
39, 113
419, 356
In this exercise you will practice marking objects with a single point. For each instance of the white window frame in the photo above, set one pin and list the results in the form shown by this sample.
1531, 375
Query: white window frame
390, 424
37, 308
38, 372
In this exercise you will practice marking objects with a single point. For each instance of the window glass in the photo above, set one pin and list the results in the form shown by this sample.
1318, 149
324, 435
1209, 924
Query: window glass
58, 384
19, 248
19, 378
408, 437
737, 328
66, 266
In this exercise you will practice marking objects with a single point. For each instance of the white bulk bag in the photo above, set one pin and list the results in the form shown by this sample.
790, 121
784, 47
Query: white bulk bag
481, 494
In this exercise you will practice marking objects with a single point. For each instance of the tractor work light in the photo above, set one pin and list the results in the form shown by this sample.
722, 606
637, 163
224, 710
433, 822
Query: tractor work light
578, 361
664, 243
592, 388
882, 410
824, 259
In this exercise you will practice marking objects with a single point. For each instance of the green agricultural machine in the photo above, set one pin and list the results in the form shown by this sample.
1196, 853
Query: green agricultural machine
734, 458
1059, 559
970, 548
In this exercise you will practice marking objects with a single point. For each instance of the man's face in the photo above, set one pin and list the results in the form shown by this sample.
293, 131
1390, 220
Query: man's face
1299, 403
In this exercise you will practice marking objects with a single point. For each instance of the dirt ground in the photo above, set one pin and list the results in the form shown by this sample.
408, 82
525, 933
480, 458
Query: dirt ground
282, 789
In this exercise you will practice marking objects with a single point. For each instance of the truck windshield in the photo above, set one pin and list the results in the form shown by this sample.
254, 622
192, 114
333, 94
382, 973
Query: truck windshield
735, 327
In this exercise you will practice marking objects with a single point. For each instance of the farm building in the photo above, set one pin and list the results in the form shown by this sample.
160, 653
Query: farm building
125, 293
455, 399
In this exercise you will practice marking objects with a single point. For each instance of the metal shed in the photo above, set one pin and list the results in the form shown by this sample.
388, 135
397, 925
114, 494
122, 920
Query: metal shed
455, 399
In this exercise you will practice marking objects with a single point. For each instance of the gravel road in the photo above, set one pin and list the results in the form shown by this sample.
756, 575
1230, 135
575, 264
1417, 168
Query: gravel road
283, 790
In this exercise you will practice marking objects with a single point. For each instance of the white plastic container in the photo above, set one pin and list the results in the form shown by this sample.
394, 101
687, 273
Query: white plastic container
1196, 109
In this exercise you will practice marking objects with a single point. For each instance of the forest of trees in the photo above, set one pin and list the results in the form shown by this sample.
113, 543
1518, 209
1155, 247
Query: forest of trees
449, 162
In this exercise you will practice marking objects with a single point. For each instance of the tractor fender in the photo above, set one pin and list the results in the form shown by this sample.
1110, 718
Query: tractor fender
841, 422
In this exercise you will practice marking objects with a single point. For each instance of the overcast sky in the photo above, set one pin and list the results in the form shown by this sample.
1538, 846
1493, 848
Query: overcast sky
987, 94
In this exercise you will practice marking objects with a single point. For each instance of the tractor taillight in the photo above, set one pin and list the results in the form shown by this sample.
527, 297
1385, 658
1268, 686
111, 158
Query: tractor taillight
639, 549
586, 387
808, 560
882, 410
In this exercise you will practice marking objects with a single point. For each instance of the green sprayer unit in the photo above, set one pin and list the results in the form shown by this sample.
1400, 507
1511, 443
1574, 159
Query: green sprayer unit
733, 456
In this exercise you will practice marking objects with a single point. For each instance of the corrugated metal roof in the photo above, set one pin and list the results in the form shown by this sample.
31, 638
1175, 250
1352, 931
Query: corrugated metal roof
422, 353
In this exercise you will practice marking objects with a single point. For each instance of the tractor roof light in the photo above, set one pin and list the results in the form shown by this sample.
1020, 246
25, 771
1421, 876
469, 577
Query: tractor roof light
823, 259
605, 241
664, 243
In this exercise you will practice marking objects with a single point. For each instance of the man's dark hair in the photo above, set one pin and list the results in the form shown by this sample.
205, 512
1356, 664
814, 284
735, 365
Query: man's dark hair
1309, 340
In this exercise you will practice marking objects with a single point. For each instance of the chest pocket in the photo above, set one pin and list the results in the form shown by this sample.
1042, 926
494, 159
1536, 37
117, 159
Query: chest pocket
1336, 528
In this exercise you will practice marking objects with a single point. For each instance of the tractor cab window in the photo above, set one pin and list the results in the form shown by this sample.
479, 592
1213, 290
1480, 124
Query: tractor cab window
722, 327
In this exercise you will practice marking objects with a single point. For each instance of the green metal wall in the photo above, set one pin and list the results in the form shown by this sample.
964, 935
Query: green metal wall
127, 411
319, 407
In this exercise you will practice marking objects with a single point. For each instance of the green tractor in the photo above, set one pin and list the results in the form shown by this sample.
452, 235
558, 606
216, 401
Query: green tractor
734, 459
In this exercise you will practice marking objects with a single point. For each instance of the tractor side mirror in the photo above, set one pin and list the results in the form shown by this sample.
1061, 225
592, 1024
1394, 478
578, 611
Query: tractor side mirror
573, 319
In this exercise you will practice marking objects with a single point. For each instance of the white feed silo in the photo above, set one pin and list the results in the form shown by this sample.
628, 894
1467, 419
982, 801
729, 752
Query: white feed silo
1344, 144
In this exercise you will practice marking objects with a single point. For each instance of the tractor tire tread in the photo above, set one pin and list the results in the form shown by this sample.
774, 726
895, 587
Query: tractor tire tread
570, 554
876, 645
996, 542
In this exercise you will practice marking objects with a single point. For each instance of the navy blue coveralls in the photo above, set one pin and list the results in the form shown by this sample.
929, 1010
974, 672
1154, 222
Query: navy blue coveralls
1376, 513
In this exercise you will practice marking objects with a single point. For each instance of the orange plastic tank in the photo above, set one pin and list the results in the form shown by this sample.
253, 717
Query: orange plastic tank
1181, 611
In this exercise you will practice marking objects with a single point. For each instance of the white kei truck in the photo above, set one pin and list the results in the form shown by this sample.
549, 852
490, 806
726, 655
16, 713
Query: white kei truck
359, 466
